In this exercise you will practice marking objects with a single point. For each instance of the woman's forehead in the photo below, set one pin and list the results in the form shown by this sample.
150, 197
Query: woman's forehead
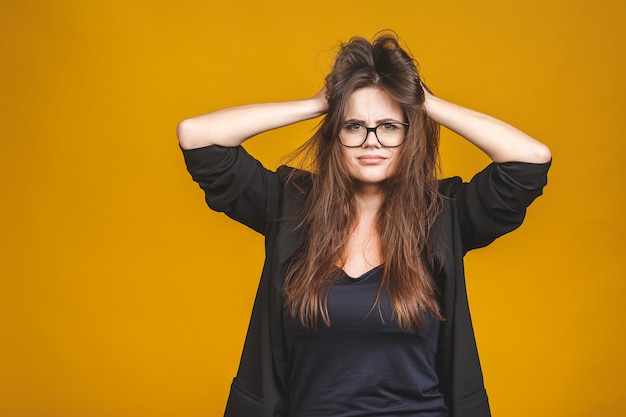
370, 104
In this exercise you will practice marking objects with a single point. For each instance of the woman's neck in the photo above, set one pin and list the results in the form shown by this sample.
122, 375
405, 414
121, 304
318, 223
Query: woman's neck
362, 251
368, 200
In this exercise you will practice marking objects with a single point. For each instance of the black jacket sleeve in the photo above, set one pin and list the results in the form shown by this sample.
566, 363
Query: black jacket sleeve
235, 183
494, 202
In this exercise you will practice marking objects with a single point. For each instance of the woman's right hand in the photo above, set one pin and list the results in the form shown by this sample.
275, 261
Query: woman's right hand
321, 100
232, 126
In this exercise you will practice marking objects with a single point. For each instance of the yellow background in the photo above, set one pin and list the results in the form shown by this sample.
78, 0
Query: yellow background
121, 294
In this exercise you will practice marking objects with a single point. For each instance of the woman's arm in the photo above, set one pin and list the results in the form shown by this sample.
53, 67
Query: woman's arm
232, 126
499, 140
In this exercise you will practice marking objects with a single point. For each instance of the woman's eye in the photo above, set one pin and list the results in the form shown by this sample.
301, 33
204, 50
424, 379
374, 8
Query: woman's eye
354, 127
389, 126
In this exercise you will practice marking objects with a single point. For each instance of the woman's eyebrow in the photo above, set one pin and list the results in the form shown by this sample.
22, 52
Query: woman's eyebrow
378, 122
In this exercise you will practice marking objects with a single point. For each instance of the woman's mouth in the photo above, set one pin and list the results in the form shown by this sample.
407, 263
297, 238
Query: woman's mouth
371, 159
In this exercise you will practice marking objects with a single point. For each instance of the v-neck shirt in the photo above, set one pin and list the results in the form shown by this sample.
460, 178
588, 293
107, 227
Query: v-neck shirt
363, 364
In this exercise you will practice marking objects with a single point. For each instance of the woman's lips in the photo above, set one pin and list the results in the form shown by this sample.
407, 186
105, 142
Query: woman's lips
371, 159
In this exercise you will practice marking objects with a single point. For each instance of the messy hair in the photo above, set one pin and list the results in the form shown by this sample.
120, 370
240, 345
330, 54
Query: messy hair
411, 200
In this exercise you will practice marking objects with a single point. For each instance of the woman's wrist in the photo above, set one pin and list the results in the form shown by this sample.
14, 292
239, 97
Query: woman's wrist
431, 104
319, 103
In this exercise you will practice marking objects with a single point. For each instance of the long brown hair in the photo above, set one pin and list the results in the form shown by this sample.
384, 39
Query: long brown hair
411, 200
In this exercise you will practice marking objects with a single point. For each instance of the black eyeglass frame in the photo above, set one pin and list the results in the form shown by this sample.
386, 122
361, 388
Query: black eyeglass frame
373, 129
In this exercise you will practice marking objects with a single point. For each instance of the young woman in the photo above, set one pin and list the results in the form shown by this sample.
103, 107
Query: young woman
361, 309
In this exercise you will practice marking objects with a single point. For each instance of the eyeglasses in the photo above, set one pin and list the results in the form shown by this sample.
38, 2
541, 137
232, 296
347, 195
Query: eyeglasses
388, 134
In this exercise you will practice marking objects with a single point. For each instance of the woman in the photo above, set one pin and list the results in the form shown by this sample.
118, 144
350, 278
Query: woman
361, 309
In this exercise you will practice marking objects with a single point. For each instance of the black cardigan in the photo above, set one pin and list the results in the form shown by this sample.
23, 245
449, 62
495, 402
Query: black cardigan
493, 203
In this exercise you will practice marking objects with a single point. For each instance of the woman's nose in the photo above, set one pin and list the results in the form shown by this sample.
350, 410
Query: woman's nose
371, 140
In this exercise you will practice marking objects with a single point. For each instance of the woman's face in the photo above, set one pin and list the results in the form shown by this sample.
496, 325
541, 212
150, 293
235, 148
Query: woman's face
371, 163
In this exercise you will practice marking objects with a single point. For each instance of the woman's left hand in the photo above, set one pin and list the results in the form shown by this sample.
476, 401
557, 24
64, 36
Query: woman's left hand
499, 140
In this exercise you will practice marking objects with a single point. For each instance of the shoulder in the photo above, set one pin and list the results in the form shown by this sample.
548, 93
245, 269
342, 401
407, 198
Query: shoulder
448, 186
294, 179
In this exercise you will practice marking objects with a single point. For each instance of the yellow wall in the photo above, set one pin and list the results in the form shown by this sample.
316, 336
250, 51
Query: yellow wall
121, 294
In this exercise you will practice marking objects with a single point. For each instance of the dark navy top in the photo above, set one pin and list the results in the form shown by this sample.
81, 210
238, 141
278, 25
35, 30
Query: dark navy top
363, 364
